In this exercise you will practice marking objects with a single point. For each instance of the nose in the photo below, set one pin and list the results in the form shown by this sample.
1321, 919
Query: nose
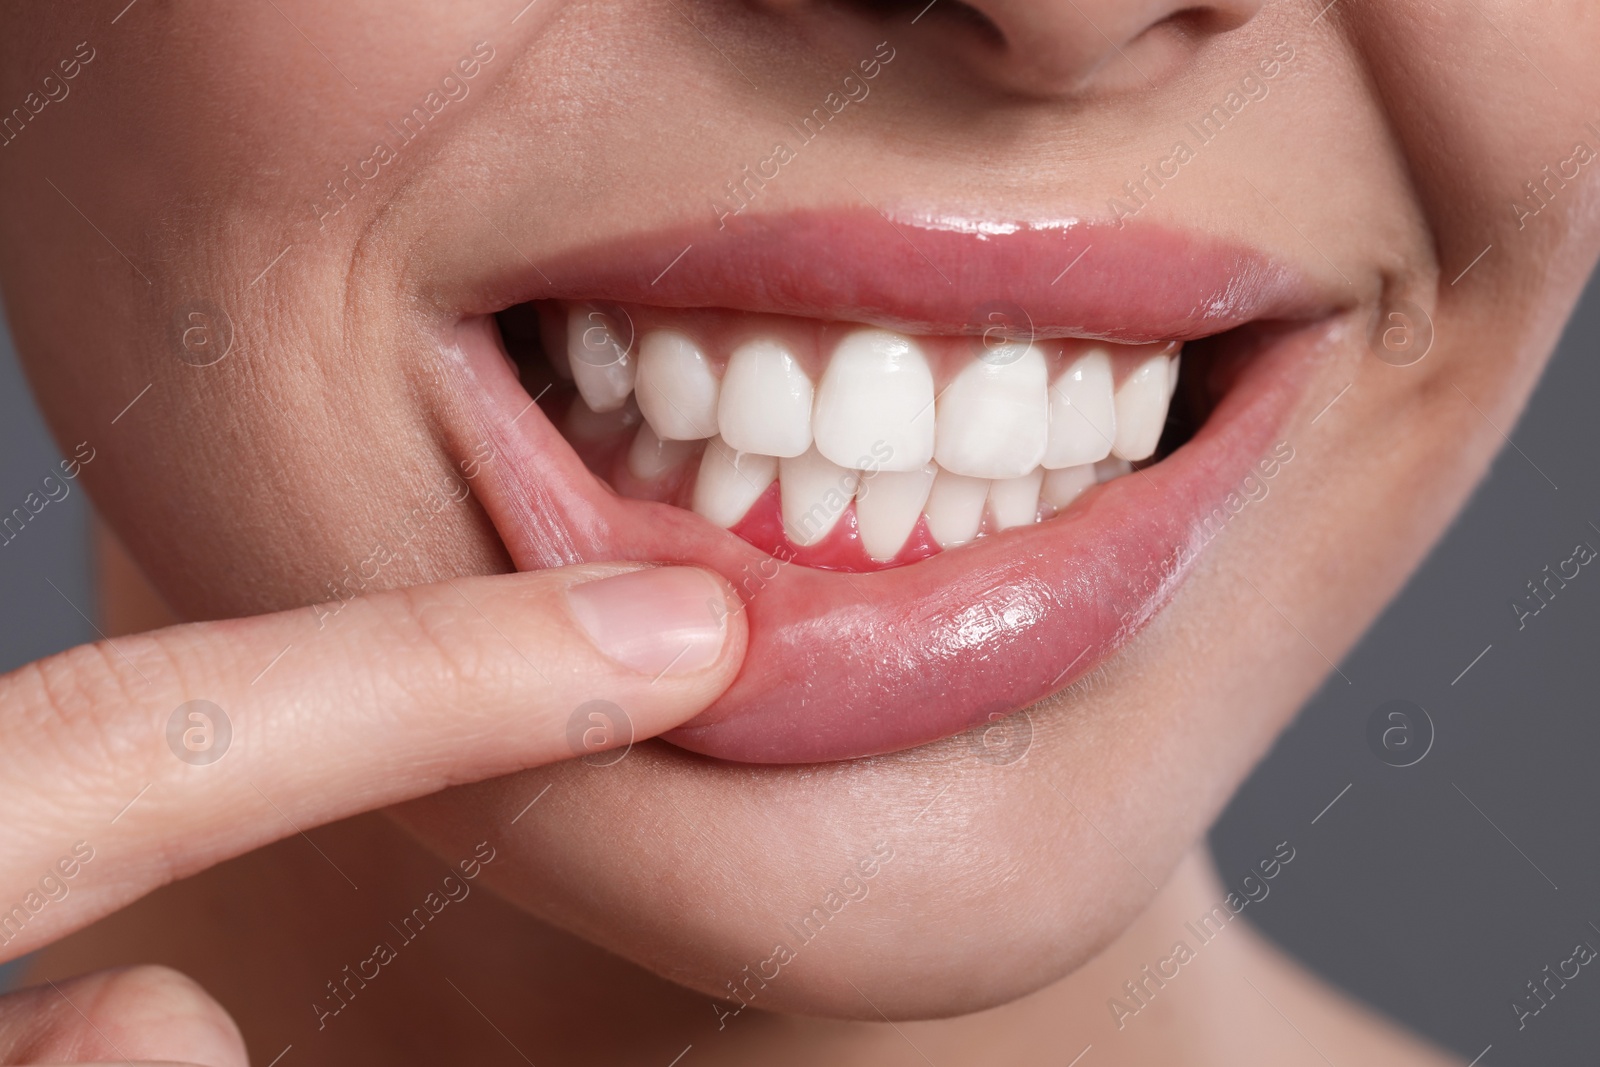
1065, 47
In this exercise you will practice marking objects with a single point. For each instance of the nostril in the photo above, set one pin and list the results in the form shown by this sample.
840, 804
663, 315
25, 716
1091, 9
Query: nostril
952, 13
1199, 21
1054, 48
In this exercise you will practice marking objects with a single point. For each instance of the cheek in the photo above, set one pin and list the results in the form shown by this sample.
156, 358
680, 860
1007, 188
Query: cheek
202, 116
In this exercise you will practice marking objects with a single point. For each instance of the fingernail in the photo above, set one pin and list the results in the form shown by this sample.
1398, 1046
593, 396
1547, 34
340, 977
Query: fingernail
657, 621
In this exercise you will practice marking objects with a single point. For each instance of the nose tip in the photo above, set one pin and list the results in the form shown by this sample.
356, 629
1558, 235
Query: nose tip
1064, 47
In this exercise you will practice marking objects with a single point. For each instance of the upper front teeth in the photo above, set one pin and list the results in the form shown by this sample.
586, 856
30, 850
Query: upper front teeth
766, 401
994, 419
1002, 443
1083, 416
876, 397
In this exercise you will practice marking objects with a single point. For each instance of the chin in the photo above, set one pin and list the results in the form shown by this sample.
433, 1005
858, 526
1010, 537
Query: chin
777, 894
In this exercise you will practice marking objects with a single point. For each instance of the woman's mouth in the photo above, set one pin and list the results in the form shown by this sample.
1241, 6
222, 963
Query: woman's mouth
939, 503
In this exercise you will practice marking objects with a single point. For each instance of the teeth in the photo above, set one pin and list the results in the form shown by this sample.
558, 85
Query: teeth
1083, 415
1015, 501
602, 366
649, 457
955, 508
815, 492
875, 404
1062, 487
994, 419
730, 483
888, 507
1001, 447
1107, 469
676, 388
766, 401
1142, 409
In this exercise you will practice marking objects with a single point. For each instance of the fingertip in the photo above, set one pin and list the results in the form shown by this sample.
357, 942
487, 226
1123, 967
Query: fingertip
676, 636
666, 622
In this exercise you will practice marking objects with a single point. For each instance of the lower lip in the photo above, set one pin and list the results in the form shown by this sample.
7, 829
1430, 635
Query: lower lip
843, 666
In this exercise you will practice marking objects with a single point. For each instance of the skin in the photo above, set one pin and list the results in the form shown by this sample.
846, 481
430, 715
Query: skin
197, 141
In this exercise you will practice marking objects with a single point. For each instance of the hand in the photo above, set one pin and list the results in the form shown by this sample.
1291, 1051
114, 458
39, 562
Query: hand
112, 783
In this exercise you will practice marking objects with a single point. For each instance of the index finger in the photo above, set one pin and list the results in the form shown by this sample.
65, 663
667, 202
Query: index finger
154, 756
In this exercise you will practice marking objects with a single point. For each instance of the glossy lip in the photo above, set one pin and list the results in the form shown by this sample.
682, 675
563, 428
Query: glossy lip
1072, 278
843, 666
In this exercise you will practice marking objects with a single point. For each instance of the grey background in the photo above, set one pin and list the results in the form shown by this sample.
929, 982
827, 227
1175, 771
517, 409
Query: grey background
53, 547
1402, 891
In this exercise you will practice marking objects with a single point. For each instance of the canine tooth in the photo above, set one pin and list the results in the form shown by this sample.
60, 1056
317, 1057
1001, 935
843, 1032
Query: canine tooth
1083, 414
649, 457
1108, 469
1063, 486
676, 388
875, 403
602, 365
888, 506
731, 482
955, 508
1015, 501
815, 492
994, 419
1142, 409
766, 401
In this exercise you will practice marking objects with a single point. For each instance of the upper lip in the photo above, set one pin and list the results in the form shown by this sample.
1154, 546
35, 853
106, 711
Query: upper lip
932, 275
849, 666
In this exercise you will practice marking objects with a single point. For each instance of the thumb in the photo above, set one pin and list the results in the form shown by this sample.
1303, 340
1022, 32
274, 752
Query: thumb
167, 752
134, 1015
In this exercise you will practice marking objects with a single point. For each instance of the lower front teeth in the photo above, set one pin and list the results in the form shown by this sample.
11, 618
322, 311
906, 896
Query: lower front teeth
888, 508
650, 457
815, 492
730, 482
955, 508
1015, 501
968, 439
1062, 487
